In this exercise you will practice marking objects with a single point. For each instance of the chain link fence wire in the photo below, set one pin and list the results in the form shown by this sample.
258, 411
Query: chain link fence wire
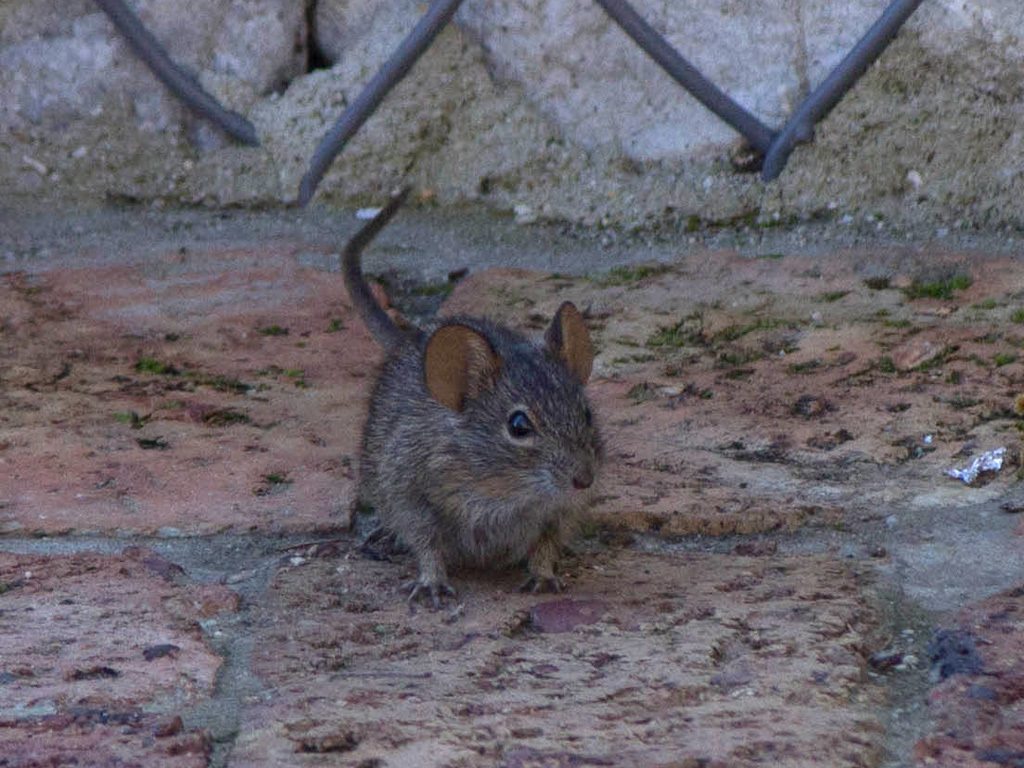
774, 147
177, 81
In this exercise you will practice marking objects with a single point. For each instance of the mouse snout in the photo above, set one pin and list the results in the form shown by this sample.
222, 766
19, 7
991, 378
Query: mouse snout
583, 478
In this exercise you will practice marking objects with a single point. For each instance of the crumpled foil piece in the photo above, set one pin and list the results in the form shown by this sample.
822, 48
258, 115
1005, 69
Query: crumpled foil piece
989, 461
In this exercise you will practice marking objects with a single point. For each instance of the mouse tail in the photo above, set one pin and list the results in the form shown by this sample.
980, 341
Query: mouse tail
381, 326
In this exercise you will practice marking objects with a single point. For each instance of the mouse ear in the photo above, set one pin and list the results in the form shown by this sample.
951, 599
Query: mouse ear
459, 363
569, 340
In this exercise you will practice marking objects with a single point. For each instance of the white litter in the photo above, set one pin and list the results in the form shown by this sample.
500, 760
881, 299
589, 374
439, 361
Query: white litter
365, 214
989, 461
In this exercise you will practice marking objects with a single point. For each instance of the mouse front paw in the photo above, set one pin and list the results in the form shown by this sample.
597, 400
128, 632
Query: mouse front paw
535, 584
435, 591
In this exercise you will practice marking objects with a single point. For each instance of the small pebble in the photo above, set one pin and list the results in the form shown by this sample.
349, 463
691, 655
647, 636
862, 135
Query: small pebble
35, 165
565, 615
890, 658
237, 578
159, 651
524, 214
171, 727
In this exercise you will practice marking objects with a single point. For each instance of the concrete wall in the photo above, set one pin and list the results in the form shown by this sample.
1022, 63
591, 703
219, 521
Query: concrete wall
544, 105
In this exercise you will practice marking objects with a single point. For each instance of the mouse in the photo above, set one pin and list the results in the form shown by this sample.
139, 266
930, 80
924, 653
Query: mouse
480, 447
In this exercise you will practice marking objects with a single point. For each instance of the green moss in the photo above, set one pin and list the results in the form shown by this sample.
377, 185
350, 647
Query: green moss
638, 358
674, 336
1003, 358
688, 332
978, 360
877, 283
630, 274
938, 361
272, 330
940, 289
152, 365
298, 377
336, 325
641, 393
136, 421
1017, 316
830, 296
803, 368
886, 365
986, 304
742, 357
219, 382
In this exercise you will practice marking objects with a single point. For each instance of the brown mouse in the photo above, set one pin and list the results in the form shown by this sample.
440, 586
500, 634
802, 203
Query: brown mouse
480, 446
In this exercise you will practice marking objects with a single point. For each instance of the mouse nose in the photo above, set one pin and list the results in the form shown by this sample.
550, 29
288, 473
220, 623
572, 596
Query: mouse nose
584, 478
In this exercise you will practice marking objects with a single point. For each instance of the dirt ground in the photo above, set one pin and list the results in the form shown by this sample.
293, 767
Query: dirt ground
777, 569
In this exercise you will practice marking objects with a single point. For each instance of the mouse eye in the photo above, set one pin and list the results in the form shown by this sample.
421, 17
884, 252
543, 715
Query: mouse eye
519, 425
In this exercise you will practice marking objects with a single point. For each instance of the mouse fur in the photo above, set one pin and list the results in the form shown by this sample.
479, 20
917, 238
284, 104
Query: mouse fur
480, 446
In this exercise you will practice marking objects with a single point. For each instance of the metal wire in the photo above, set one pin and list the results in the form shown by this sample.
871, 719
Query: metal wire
776, 146
366, 103
707, 93
147, 48
800, 127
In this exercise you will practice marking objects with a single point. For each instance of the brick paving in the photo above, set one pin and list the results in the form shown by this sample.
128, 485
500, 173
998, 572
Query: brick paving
159, 416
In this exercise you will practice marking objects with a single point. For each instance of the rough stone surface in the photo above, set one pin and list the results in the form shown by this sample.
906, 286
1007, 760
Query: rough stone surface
216, 381
362, 33
544, 107
774, 544
604, 92
694, 668
109, 652
449, 98
977, 717
65, 63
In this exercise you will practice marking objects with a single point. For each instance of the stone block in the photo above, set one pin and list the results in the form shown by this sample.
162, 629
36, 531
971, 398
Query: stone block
94, 668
